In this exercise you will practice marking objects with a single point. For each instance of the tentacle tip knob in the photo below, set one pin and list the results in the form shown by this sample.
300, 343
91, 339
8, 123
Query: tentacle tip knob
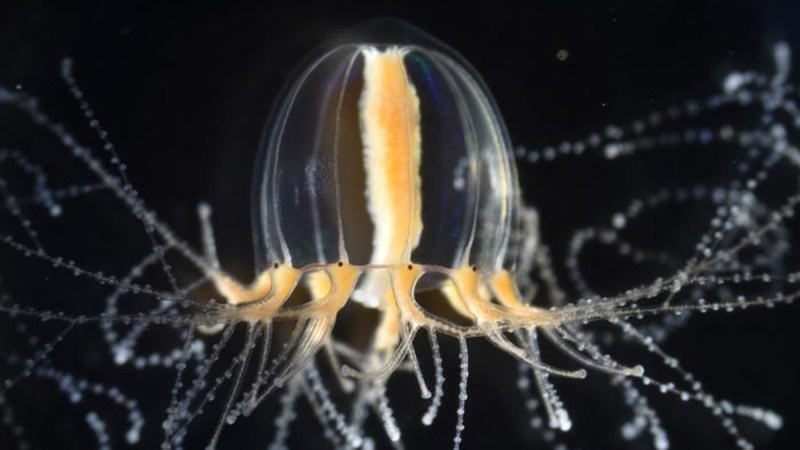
636, 371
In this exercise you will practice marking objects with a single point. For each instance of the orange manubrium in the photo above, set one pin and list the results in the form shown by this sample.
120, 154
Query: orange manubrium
390, 127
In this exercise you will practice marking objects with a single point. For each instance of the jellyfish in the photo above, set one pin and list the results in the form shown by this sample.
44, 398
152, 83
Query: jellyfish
388, 217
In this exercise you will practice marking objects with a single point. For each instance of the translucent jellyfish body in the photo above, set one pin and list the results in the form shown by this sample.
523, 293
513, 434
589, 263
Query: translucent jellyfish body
385, 176
387, 160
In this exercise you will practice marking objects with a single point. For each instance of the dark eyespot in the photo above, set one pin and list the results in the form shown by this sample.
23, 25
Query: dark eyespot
410, 267
340, 264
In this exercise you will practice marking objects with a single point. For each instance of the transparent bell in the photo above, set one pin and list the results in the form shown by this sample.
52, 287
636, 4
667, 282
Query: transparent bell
321, 193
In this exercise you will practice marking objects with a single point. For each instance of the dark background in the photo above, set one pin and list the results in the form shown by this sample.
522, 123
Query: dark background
184, 91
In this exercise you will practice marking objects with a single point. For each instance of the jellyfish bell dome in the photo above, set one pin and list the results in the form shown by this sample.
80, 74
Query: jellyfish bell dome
385, 149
